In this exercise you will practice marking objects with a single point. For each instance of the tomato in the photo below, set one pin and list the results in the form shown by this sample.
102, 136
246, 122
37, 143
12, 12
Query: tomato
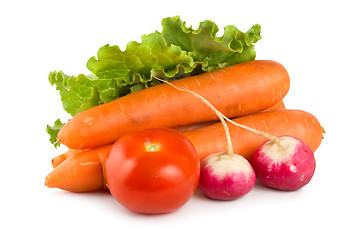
152, 171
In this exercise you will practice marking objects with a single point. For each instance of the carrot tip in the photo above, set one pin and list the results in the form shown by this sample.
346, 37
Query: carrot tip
46, 182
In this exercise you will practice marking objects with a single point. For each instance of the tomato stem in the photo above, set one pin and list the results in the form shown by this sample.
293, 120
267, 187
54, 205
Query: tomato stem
153, 147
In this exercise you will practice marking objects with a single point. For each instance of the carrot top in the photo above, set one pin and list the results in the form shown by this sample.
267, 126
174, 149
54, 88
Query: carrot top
175, 52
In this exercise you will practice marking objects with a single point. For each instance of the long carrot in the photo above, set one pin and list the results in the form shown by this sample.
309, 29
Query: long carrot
71, 152
62, 157
236, 90
206, 140
278, 106
82, 172
296, 123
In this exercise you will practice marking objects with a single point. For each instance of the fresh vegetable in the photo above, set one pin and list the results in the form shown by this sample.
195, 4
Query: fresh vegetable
285, 165
53, 132
152, 171
71, 152
175, 52
278, 106
297, 123
294, 160
120, 136
226, 177
62, 157
81, 172
236, 90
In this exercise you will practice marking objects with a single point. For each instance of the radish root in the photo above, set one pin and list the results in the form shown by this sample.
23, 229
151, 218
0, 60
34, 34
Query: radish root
219, 114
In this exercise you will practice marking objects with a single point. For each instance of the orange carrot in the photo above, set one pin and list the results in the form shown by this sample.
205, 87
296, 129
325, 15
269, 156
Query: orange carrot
206, 140
236, 90
71, 152
294, 123
278, 106
62, 157
82, 172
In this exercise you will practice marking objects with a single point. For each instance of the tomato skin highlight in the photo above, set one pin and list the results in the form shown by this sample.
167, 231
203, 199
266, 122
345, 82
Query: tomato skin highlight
152, 171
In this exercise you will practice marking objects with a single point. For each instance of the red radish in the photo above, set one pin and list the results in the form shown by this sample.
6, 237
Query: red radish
226, 175
285, 165
226, 178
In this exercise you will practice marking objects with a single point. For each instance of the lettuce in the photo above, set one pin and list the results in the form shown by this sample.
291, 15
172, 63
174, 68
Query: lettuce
53, 132
206, 48
175, 52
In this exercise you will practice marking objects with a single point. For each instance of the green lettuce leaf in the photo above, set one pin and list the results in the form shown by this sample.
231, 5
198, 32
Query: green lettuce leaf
206, 48
175, 52
152, 57
82, 92
53, 132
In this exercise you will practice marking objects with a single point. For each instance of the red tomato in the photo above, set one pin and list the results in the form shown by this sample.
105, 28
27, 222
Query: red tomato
152, 171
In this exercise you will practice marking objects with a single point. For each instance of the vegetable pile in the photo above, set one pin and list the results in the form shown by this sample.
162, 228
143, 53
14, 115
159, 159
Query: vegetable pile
181, 109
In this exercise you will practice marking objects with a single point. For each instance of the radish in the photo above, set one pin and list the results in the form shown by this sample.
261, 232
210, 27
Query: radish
226, 175
285, 165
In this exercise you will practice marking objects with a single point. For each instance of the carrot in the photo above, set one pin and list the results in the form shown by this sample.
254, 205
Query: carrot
82, 172
206, 140
236, 90
296, 123
278, 106
71, 152
62, 157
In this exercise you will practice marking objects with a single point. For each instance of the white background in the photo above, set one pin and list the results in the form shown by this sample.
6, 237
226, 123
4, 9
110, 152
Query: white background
317, 41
